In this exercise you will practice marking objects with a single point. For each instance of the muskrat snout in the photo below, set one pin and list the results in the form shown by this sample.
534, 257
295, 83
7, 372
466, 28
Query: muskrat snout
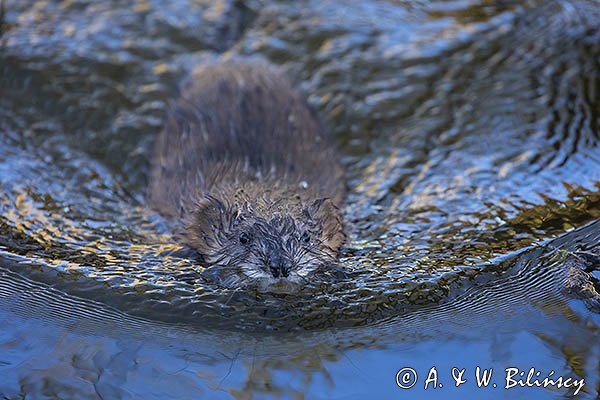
279, 266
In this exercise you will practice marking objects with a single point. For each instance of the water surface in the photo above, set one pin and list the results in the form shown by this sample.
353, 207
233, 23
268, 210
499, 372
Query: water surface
469, 135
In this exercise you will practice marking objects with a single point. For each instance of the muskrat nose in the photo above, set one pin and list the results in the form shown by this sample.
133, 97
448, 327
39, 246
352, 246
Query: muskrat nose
279, 267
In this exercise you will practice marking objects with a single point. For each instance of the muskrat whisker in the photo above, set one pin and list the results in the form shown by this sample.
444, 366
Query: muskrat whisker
237, 289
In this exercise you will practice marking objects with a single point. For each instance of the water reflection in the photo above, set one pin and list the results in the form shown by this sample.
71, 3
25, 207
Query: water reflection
469, 133
90, 350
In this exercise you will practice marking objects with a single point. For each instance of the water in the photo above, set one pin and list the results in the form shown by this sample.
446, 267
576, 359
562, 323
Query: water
469, 134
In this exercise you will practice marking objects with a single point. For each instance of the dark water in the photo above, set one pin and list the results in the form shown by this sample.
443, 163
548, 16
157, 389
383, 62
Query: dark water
469, 133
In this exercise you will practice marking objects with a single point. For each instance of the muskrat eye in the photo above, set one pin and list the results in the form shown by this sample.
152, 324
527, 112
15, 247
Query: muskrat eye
245, 238
305, 237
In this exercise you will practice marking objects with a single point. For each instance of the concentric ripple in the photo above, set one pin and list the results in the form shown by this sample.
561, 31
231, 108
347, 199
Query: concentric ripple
468, 132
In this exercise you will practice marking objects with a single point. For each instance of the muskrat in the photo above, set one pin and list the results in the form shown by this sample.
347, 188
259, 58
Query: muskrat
251, 174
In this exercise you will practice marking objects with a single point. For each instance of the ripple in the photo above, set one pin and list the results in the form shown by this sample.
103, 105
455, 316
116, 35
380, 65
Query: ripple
469, 132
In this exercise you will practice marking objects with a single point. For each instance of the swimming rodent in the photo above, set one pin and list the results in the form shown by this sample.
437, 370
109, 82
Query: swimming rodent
252, 175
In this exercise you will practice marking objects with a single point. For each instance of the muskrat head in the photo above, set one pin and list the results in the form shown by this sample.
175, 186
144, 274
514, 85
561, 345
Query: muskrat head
268, 246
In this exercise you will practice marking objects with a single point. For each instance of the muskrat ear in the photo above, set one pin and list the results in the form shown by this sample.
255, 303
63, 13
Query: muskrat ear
325, 216
311, 211
205, 230
320, 207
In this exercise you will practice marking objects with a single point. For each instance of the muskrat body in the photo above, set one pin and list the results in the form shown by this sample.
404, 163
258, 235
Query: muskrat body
252, 175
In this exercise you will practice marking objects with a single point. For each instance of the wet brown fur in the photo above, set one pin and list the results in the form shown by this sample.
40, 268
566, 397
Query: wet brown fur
242, 152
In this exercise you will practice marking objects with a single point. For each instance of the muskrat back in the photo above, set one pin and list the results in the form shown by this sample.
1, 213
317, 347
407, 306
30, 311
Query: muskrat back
251, 173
